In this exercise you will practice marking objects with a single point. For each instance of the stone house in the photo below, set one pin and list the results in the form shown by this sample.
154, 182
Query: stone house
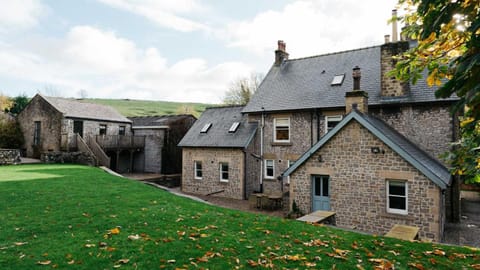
301, 101
219, 154
162, 134
53, 125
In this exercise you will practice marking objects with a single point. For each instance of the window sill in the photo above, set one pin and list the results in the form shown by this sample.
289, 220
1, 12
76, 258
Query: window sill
281, 144
269, 179
397, 216
223, 181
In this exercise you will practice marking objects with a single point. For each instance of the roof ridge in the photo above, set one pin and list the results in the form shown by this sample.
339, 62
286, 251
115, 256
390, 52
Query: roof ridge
224, 106
333, 53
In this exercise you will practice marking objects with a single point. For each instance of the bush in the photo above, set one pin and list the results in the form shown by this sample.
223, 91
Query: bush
11, 136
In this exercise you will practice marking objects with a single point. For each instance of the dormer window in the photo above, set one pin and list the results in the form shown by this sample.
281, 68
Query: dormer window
338, 79
234, 127
205, 128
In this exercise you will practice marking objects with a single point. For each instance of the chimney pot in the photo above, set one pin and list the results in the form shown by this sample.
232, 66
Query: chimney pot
281, 45
281, 53
394, 26
387, 39
356, 74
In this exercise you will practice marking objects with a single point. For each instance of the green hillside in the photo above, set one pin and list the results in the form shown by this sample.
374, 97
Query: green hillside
130, 107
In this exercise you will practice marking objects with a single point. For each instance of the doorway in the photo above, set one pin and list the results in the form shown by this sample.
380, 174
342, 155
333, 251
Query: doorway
320, 193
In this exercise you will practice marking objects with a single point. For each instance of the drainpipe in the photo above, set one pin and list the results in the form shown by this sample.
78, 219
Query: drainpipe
318, 124
245, 174
261, 149
311, 129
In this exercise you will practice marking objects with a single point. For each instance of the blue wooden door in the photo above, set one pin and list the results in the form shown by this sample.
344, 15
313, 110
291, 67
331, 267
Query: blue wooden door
320, 193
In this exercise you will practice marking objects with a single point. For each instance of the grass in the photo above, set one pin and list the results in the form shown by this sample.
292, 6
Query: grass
130, 107
69, 216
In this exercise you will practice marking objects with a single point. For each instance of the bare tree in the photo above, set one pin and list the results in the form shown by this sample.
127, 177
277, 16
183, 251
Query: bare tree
241, 90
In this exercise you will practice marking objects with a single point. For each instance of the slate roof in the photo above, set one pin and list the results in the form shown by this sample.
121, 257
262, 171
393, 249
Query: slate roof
222, 119
157, 121
305, 83
75, 109
426, 164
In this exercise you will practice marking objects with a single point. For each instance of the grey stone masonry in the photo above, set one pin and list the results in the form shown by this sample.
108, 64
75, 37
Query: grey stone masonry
210, 182
391, 87
9, 156
358, 184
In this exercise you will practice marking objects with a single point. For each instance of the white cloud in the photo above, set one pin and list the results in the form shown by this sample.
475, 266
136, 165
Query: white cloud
163, 13
312, 27
106, 65
20, 14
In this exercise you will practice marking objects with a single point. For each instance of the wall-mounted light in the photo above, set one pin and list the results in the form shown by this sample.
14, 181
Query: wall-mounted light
320, 159
377, 150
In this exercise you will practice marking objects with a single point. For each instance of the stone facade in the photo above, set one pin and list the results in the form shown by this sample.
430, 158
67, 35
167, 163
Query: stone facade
50, 121
429, 126
243, 170
9, 156
358, 185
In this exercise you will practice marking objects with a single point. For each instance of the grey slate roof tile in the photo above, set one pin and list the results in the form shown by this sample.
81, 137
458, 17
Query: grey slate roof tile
75, 109
305, 83
222, 119
161, 120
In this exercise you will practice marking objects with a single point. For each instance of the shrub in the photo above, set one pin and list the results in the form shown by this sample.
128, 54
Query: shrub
11, 136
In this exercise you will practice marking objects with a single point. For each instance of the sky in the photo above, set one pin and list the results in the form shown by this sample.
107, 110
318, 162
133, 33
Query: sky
171, 50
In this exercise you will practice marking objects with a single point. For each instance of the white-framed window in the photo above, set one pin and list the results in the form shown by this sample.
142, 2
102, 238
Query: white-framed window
332, 121
338, 79
197, 165
289, 163
224, 172
234, 127
102, 129
281, 128
397, 197
269, 168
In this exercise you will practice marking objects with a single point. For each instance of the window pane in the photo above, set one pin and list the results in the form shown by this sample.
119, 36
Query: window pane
325, 187
269, 168
317, 185
397, 203
269, 171
225, 175
282, 122
282, 134
397, 188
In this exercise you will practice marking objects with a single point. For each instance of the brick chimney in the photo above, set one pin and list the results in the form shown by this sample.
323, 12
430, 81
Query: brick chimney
280, 54
356, 99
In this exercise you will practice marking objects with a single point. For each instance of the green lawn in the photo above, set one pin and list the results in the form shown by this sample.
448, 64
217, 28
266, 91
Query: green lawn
68, 216
130, 107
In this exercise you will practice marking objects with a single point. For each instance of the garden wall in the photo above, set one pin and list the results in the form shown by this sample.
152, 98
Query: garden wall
9, 156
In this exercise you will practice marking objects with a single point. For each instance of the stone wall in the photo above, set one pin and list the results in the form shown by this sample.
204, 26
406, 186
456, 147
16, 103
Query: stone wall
210, 182
68, 157
50, 121
9, 156
358, 185
428, 126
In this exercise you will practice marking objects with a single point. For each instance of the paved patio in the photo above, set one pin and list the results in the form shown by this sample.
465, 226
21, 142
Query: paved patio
467, 232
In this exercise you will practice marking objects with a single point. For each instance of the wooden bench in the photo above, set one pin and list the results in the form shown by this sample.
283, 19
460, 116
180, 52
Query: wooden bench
317, 216
403, 232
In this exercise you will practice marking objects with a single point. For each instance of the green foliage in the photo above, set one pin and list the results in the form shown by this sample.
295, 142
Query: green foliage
448, 34
242, 90
11, 136
19, 103
130, 107
70, 216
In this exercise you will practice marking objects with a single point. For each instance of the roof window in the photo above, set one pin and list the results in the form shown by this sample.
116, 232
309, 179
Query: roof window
206, 127
338, 79
234, 127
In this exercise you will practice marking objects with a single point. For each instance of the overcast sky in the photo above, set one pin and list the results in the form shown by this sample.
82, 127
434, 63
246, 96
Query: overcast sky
175, 50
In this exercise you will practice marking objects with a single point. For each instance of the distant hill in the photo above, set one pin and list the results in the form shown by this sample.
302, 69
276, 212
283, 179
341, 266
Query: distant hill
131, 107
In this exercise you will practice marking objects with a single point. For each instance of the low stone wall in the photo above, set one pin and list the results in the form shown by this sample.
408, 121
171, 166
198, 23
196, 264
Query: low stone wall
68, 157
9, 156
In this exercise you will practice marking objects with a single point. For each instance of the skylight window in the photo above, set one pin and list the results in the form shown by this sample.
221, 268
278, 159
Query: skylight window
206, 128
234, 127
338, 79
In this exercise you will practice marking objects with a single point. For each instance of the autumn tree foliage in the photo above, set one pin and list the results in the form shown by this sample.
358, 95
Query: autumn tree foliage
448, 35
241, 90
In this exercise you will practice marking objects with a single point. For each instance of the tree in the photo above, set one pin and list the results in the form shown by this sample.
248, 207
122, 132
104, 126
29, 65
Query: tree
5, 103
19, 103
242, 89
448, 34
11, 136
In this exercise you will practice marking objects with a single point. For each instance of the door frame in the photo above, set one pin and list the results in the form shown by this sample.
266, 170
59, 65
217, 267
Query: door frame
312, 194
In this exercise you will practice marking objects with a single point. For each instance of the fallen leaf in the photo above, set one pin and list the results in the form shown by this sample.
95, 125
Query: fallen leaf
171, 261
394, 252
180, 233
85, 215
115, 230
89, 245
44, 262
110, 249
439, 252
71, 262
418, 266
123, 261
359, 267
20, 243
134, 237
432, 261
476, 266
